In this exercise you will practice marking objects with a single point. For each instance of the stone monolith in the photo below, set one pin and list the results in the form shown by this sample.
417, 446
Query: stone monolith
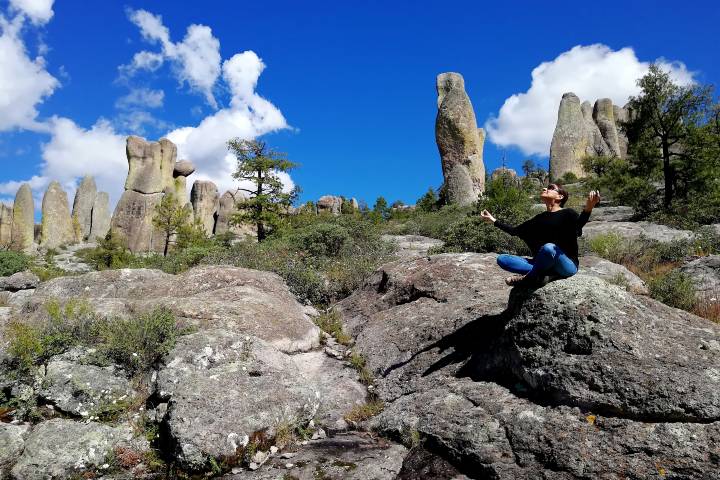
23, 229
83, 206
100, 216
57, 223
5, 225
459, 141
205, 199
570, 141
151, 165
132, 221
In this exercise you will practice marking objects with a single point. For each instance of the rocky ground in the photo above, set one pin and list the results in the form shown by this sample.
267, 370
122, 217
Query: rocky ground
585, 378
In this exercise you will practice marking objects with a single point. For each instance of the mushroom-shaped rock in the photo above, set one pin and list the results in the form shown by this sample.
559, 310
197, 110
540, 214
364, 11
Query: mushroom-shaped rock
183, 168
151, 164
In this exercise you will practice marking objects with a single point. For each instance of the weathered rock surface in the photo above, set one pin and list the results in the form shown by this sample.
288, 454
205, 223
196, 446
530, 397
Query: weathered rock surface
350, 457
633, 230
226, 209
57, 224
6, 219
151, 165
132, 221
82, 211
613, 273
459, 140
184, 168
329, 204
507, 173
236, 299
23, 229
61, 448
562, 384
82, 389
222, 387
412, 246
12, 442
584, 130
100, 217
205, 201
19, 281
705, 273
612, 214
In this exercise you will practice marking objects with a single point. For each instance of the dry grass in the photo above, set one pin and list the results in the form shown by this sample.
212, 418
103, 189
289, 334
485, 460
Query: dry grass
708, 306
365, 411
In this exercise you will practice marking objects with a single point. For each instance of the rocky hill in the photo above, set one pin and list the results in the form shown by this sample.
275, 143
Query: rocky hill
578, 379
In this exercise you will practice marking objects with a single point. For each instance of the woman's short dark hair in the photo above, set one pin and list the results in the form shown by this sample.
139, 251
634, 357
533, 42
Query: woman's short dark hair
561, 190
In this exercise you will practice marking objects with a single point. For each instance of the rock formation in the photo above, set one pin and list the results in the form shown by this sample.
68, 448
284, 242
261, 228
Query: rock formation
151, 165
205, 201
572, 380
57, 223
459, 141
100, 217
152, 171
83, 207
5, 225
23, 229
509, 174
183, 169
583, 130
226, 208
329, 204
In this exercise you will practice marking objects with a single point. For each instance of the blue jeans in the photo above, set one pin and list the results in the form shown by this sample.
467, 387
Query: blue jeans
550, 260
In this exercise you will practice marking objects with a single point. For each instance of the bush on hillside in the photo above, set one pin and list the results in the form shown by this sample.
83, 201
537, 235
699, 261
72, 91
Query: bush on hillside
12, 262
675, 289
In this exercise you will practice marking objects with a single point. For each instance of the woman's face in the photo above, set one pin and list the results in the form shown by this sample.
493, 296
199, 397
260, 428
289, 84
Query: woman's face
551, 193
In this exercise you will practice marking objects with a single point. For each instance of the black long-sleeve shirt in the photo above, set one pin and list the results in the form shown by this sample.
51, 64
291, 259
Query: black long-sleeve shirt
561, 228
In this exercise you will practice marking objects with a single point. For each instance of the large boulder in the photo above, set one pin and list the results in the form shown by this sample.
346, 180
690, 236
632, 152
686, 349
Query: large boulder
223, 387
132, 221
63, 448
151, 165
205, 200
12, 442
82, 211
705, 273
329, 204
613, 273
635, 230
236, 299
23, 229
612, 214
459, 140
559, 382
412, 246
6, 219
57, 224
100, 217
19, 281
227, 206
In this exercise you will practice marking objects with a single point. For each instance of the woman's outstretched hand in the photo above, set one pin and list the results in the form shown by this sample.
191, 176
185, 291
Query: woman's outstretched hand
487, 216
592, 200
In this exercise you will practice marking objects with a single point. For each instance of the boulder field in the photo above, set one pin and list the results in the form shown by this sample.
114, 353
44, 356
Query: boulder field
579, 379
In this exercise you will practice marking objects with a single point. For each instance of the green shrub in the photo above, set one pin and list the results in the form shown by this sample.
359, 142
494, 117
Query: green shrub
569, 177
675, 289
330, 323
110, 253
137, 343
323, 239
609, 246
12, 262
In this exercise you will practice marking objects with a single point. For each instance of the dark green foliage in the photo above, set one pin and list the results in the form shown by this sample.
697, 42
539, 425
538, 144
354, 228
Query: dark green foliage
134, 343
508, 203
381, 209
109, 253
569, 177
170, 217
428, 202
675, 289
323, 239
12, 262
267, 203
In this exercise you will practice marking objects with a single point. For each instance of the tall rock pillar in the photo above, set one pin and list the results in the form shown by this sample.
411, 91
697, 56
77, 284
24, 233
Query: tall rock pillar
83, 206
57, 224
23, 229
205, 202
459, 141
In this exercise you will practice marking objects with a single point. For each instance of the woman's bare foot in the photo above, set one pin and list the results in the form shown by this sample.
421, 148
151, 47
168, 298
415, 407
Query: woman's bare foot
514, 280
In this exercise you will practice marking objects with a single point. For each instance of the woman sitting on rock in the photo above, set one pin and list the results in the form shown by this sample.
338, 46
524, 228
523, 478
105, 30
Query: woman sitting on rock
551, 237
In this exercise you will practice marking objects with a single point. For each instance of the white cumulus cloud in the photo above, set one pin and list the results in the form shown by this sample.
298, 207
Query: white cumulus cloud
24, 81
527, 120
38, 11
248, 116
196, 59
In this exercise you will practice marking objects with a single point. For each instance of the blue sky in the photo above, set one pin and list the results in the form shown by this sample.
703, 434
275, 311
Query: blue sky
347, 88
